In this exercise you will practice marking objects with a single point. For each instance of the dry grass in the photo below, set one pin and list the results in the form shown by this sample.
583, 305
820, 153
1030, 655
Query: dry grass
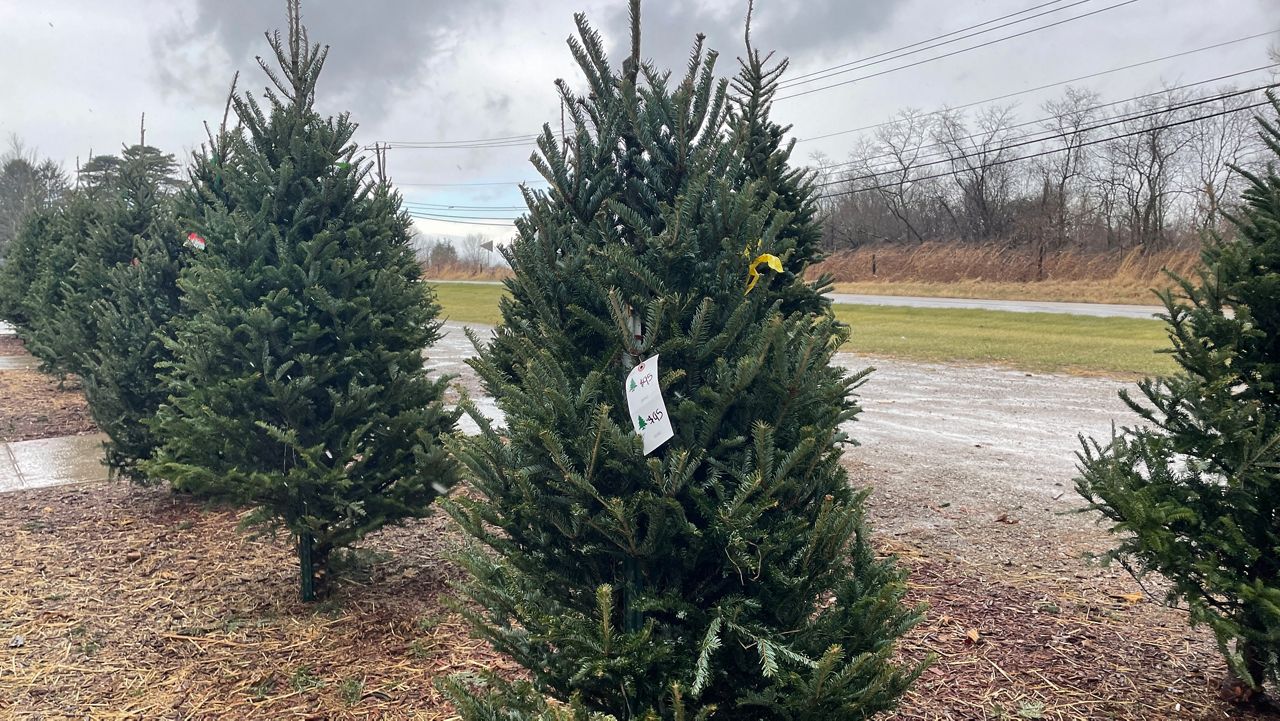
465, 271
958, 271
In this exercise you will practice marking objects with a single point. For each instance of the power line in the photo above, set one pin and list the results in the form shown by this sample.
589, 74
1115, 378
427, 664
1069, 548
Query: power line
955, 52
1054, 136
460, 145
519, 140
473, 141
1005, 161
1046, 119
461, 217
469, 185
461, 222
1090, 76
443, 206
866, 62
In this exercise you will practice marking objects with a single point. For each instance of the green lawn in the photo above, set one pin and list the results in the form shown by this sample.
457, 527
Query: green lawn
1030, 341
468, 302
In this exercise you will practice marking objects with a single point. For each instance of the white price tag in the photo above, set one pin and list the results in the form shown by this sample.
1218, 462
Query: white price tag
644, 402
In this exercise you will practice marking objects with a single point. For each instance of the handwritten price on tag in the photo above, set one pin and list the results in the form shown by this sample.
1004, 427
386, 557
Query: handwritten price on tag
645, 404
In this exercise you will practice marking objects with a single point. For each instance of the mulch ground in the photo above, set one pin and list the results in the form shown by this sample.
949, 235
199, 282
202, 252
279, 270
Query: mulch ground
34, 405
120, 602
11, 345
130, 603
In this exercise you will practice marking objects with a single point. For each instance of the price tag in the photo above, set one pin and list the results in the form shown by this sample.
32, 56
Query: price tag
644, 402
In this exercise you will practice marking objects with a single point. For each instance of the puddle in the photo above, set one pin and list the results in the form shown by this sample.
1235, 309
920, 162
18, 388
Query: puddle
51, 461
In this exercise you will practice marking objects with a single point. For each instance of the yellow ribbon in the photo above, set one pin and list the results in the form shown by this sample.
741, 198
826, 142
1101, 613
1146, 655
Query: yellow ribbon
753, 275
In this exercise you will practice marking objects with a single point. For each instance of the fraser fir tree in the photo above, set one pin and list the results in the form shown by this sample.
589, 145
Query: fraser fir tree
91, 284
35, 285
130, 206
297, 380
22, 266
730, 569
1195, 491
124, 303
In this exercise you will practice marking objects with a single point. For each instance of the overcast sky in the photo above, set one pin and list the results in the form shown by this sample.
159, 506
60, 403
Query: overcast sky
76, 74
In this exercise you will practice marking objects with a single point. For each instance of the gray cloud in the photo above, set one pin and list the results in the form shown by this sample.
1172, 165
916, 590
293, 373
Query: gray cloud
795, 29
380, 48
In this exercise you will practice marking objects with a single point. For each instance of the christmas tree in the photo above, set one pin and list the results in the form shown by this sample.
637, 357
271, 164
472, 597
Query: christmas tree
35, 286
297, 380
1195, 491
128, 206
728, 568
125, 294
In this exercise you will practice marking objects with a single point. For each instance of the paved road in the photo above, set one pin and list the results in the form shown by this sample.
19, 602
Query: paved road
1098, 310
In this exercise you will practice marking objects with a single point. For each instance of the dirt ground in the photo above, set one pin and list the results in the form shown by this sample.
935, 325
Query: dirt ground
119, 602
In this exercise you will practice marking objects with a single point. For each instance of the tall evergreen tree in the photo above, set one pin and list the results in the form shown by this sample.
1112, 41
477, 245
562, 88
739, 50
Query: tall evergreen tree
27, 185
730, 568
1195, 491
125, 301
297, 381
127, 207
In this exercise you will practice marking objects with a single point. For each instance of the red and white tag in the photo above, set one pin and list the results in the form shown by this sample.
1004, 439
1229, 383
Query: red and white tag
196, 241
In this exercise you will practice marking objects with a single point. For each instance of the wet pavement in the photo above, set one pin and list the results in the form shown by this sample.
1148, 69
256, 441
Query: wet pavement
18, 362
51, 461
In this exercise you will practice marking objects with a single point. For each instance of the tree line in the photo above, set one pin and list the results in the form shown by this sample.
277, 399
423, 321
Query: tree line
1155, 172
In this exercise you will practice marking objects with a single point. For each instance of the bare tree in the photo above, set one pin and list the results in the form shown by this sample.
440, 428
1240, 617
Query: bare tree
1215, 147
27, 184
1060, 174
1142, 167
980, 172
897, 182
472, 251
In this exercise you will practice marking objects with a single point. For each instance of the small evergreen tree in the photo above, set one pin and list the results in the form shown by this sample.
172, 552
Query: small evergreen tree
45, 256
1195, 491
730, 569
297, 381
22, 266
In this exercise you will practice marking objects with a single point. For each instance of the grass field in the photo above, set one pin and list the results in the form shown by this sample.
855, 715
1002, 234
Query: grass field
1045, 342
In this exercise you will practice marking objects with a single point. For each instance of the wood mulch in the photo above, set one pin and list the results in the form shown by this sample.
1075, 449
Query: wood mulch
120, 602
34, 405
129, 603
11, 345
